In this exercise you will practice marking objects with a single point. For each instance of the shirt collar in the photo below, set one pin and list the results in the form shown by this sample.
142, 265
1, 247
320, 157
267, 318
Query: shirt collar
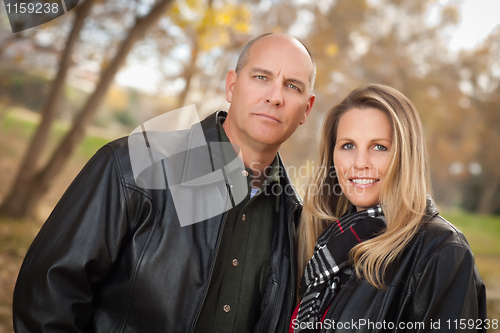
273, 174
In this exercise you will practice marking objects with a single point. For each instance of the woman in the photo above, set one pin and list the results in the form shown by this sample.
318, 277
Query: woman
390, 263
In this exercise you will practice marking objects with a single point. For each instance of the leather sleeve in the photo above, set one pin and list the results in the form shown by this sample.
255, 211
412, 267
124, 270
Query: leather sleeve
448, 291
73, 251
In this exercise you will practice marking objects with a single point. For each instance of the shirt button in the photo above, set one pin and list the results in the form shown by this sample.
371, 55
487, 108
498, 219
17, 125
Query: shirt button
235, 262
244, 173
227, 308
244, 217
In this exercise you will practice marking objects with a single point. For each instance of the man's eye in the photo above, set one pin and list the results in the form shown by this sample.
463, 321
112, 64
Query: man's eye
348, 146
260, 77
380, 148
293, 86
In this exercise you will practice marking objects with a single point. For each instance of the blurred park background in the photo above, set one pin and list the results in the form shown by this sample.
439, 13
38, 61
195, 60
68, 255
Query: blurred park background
69, 86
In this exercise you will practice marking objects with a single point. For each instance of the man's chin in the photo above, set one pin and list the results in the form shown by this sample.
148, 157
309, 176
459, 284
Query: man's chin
266, 140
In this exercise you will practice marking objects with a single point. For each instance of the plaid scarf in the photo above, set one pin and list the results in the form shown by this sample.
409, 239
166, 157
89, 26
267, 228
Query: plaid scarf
330, 267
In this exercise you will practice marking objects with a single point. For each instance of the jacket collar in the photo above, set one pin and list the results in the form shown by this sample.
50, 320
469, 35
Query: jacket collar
210, 129
430, 210
212, 152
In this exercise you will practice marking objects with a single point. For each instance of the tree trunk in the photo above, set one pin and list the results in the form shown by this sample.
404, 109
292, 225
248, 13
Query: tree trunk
191, 68
488, 200
35, 189
14, 205
188, 75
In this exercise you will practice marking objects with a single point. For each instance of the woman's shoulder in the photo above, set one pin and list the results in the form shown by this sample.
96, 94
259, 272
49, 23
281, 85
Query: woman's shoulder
438, 237
440, 230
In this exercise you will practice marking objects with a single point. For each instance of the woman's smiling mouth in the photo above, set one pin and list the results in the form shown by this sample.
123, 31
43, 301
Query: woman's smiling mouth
363, 181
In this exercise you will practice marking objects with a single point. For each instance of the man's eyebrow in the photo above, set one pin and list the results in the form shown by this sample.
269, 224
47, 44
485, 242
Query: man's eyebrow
258, 70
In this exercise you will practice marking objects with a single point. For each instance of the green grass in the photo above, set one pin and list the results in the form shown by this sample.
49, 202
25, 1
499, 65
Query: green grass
483, 234
21, 127
482, 231
16, 235
24, 129
90, 145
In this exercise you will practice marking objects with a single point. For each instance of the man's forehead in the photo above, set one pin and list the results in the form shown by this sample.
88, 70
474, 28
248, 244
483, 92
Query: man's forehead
285, 45
276, 53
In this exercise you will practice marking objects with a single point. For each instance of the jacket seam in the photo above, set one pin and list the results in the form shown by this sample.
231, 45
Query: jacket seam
136, 189
456, 231
133, 281
137, 269
219, 239
277, 283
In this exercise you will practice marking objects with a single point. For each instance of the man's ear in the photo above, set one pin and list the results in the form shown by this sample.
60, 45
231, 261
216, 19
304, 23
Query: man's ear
230, 82
309, 106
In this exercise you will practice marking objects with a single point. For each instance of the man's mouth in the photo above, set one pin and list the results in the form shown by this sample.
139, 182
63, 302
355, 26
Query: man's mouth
268, 116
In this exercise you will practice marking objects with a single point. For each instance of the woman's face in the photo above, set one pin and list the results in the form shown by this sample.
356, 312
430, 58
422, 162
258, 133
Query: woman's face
361, 155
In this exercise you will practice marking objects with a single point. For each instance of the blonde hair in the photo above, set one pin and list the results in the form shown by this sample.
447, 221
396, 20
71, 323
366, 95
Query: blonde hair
403, 193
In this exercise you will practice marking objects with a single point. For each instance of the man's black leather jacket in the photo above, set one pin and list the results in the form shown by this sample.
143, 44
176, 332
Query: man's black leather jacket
112, 257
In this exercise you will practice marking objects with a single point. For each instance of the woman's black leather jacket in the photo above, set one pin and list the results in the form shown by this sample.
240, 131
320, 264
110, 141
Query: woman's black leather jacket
434, 287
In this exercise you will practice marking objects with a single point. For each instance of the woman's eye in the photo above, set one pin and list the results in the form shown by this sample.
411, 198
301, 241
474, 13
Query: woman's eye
348, 146
380, 148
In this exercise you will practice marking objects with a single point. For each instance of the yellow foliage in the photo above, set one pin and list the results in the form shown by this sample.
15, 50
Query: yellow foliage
223, 18
215, 28
212, 25
117, 99
194, 4
186, 13
331, 50
241, 28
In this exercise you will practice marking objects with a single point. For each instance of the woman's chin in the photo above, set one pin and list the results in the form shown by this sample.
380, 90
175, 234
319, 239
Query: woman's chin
363, 203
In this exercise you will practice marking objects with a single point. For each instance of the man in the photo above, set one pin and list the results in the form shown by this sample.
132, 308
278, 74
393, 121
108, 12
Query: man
112, 256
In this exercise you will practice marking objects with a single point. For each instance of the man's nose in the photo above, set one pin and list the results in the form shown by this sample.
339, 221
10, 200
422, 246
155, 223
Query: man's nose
275, 94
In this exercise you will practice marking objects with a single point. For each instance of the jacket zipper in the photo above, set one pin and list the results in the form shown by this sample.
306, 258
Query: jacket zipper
211, 269
292, 259
273, 292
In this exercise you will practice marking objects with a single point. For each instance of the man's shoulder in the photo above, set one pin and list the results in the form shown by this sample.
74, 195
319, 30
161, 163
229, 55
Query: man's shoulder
288, 189
118, 144
115, 154
119, 148
141, 149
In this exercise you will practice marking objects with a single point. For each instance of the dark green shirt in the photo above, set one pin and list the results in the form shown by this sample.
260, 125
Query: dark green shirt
242, 264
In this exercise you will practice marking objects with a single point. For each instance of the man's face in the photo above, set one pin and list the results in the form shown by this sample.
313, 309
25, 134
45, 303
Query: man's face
271, 95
